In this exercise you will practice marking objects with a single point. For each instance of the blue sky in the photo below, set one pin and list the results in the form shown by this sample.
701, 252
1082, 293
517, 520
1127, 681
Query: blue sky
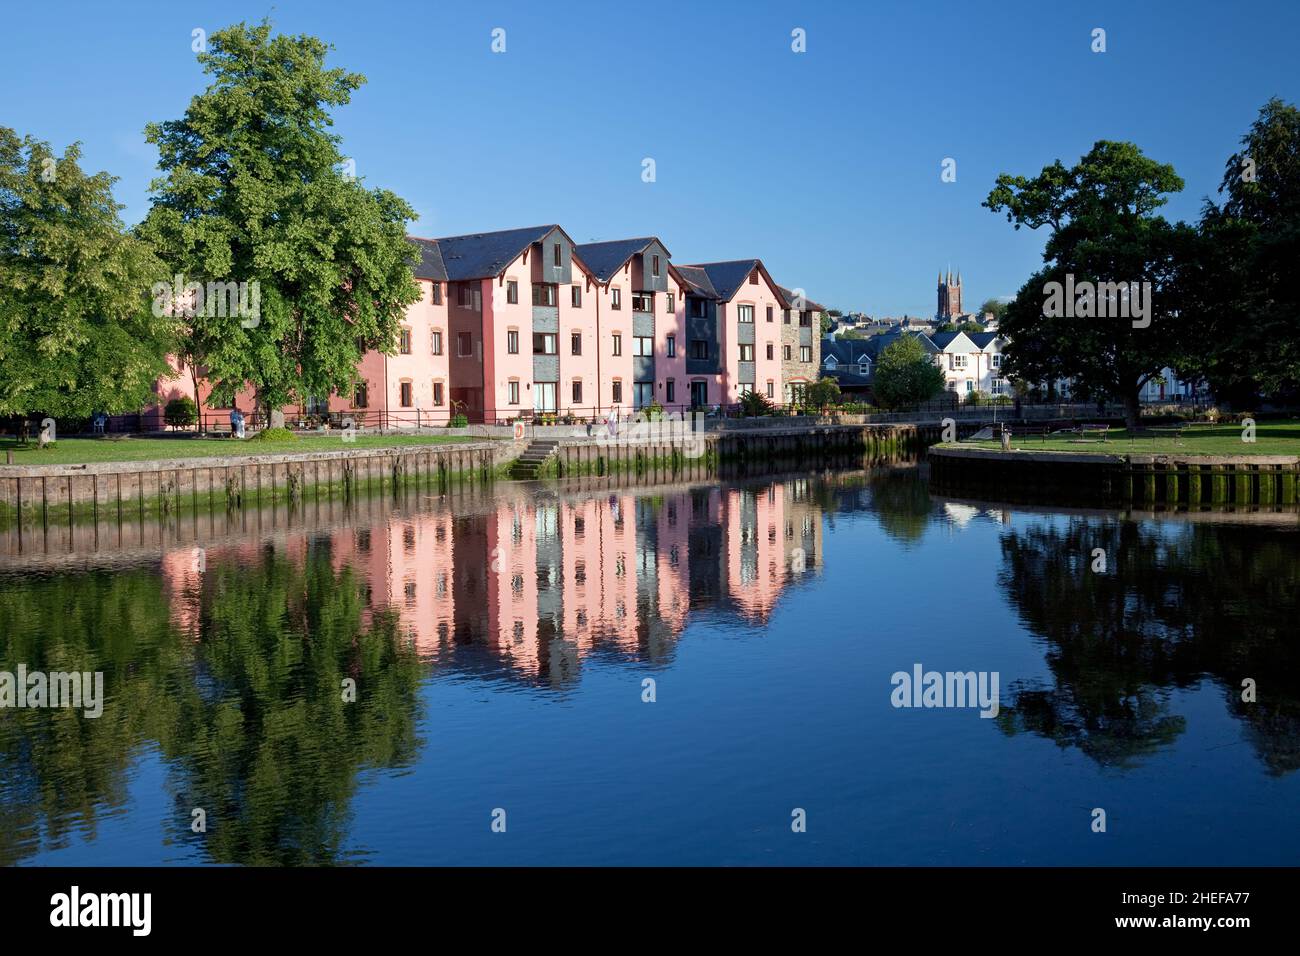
825, 164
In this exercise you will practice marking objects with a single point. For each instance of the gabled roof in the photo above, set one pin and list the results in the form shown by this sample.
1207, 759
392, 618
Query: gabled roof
944, 339
726, 278
809, 303
983, 340
430, 265
604, 259
847, 351
484, 255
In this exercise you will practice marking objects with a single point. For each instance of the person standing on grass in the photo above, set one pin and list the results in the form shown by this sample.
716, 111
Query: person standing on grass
236, 422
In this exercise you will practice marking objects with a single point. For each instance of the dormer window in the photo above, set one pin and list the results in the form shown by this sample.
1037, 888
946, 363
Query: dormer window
556, 249
654, 267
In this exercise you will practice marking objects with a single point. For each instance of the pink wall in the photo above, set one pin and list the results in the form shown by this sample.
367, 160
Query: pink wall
760, 296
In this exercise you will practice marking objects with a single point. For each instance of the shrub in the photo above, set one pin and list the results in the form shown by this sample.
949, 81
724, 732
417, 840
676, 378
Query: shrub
823, 392
754, 404
274, 434
459, 420
181, 412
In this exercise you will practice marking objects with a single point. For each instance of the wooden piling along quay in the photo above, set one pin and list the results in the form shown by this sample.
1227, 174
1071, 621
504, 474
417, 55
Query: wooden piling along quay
700, 455
1189, 481
41, 496
36, 497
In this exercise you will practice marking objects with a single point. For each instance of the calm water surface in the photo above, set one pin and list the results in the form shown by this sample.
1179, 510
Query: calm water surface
501, 641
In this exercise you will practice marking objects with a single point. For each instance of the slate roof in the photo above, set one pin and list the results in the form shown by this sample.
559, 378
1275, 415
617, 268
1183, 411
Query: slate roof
726, 277
697, 280
606, 258
430, 265
983, 339
812, 306
480, 255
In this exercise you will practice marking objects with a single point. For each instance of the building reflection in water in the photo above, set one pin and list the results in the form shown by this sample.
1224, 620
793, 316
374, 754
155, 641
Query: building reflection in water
531, 582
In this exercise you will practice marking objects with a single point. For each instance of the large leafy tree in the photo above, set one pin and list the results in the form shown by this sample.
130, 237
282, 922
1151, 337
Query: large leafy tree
77, 334
1244, 296
1104, 228
905, 374
256, 190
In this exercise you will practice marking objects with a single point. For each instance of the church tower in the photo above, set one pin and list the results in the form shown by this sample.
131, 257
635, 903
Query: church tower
949, 297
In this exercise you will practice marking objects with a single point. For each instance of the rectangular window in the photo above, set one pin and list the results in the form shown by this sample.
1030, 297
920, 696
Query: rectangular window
405, 389
699, 393
435, 293
770, 347
404, 345
469, 296
544, 343
543, 294
805, 353
437, 393
575, 296
785, 316
670, 391
958, 361
435, 342
618, 392
643, 345
769, 313
557, 255
997, 360
361, 397
618, 344
670, 299
512, 391
643, 302
771, 393
575, 343
699, 348
699, 308
616, 298
671, 344
512, 342
512, 291
746, 352
655, 269
805, 319
577, 393
744, 313
464, 344
785, 352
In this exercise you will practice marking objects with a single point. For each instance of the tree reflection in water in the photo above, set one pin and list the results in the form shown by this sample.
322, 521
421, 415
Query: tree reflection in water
1180, 603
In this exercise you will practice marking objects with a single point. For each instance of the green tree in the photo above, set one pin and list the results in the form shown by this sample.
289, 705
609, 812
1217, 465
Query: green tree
1244, 297
905, 374
1103, 229
996, 307
76, 331
256, 190
823, 392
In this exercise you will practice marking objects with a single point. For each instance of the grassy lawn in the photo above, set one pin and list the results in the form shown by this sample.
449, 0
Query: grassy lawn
76, 451
1271, 438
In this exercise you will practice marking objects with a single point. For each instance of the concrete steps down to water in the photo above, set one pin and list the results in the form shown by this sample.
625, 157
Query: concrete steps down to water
529, 465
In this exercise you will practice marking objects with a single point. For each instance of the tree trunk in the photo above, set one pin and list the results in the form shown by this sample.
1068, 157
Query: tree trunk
1132, 411
198, 396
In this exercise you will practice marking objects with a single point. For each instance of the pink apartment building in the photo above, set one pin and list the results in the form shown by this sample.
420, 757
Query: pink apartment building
523, 322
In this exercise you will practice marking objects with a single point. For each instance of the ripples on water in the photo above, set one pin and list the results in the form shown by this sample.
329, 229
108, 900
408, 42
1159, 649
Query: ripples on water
501, 643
